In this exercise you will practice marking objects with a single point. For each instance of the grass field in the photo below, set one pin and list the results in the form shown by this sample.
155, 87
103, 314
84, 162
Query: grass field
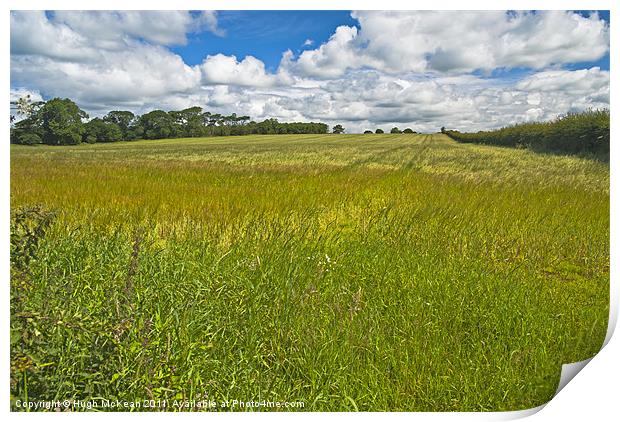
350, 272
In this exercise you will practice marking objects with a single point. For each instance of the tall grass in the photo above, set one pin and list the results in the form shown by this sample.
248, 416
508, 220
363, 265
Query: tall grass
585, 133
374, 272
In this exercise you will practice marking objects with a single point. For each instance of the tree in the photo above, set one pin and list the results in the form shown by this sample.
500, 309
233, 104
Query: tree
408, 130
124, 120
27, 132
25, 107
379, 131
188, 122
367, 132
98, 130
395, 130
338, 129
156, 125
443, 129
61, 121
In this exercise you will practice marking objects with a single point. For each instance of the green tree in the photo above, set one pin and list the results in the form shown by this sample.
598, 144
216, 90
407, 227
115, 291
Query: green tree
61, 121
408, 130
25, 107
367, 131
188, 122
124, 120
395, 130
338, 129
98, 130
27, 132
379, 131
156, 125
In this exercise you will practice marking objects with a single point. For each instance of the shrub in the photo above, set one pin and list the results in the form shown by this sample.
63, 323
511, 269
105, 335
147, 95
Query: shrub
574, 133
28, 227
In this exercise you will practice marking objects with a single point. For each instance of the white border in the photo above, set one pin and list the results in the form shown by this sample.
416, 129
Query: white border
592, 394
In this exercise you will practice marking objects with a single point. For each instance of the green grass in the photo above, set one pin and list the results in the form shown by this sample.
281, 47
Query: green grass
369, 272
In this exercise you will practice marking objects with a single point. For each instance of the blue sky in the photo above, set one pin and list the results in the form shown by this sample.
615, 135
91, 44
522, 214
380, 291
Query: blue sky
264, 34
362, 69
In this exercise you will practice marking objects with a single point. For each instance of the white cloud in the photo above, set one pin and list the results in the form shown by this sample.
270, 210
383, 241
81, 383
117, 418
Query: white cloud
583, 81
451, 41
221, 69
368, 99
118, 77
111, 29
333, 58
409, 69
17, 93
87, 36
208, 19
32, 33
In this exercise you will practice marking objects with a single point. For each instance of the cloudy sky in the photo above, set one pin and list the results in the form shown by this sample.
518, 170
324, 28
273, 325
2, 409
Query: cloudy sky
363, 69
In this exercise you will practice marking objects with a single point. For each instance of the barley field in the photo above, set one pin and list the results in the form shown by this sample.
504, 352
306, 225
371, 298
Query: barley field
348, 272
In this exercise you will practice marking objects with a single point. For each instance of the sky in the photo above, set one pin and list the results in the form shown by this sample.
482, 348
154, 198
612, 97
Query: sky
361, 69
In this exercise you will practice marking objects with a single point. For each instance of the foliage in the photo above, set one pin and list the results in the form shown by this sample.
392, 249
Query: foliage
188, 122
98, 130
574, 133
156, 124
28, 131
408, 130
338, 129
379, 131
367, 132
125, 120
28, 227
395, 130
61, 120
25, 107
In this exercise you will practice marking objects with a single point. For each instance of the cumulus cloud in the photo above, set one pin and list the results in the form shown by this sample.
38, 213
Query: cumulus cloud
221, 69
582, 81
122, 76
409, 69
79, 35
102, 58
451, 41
334, 57
33, 34
367, 99
17, 93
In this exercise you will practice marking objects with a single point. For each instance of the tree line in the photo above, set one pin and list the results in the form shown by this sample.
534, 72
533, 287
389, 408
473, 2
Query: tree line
61, 122
585, 133
393, 130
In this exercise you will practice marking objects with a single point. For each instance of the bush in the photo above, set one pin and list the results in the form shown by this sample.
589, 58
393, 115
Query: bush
28, 227
574, 133
27, 139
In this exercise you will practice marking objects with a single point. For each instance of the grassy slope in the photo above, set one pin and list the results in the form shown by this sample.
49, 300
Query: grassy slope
378, 272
